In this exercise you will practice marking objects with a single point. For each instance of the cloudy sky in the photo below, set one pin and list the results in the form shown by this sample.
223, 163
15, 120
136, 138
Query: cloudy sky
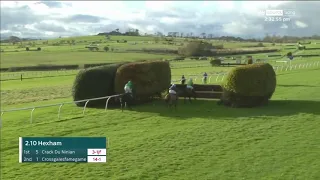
51, 19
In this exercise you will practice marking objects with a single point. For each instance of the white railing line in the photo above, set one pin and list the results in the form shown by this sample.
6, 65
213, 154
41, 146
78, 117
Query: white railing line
278, 68
60, 106
50, 105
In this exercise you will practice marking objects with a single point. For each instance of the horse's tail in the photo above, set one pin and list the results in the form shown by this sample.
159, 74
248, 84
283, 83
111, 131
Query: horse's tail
167, 97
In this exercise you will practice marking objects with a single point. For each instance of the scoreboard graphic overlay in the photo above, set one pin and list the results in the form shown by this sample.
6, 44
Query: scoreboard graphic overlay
62, 149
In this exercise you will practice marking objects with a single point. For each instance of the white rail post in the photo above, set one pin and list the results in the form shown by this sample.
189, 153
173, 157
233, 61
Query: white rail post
32, 115
1, 119
217, 77
59, 111
210, 79
84, 108
107, 102
222, 77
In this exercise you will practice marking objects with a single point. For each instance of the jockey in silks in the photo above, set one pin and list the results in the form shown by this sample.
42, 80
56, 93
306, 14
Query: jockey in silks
128, 88
183, 80
173, 90
190, 84
205, 77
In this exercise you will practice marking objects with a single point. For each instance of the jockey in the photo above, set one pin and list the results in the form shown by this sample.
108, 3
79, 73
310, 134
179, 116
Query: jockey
205, 77
128, 88
190, 84
172, 89
183, 80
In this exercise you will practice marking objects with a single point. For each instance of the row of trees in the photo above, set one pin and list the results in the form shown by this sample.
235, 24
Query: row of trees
129, 32
287, 39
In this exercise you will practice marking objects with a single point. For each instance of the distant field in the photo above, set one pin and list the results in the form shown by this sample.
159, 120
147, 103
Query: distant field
78, 54
36, 58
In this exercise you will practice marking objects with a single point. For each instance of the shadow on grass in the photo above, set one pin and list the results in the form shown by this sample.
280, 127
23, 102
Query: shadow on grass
209, 109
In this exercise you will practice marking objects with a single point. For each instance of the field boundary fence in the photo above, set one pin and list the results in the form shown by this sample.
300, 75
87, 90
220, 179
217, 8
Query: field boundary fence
36, 74
7, 76
60, 106
219, 77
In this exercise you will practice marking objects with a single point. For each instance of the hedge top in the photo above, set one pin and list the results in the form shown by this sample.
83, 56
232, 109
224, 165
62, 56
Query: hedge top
95, 82
251, 80
148, 77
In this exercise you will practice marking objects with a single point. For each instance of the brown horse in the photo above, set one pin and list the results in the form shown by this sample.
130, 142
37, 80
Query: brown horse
171, 99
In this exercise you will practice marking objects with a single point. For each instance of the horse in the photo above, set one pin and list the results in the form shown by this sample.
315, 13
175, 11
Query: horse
189, 93
126, 100
171, 99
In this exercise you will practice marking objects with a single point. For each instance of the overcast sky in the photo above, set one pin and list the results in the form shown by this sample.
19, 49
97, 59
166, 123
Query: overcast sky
52, 19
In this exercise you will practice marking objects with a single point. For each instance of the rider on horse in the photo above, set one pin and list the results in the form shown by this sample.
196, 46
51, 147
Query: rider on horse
183, 80
190, 84
128, 88
205, 77
173, 90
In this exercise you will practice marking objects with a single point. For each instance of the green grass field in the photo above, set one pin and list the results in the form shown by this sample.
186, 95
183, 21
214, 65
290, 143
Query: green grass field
14, 55
198, 141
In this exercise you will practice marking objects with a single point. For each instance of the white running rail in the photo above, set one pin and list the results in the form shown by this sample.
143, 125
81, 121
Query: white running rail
61, 104
276, 68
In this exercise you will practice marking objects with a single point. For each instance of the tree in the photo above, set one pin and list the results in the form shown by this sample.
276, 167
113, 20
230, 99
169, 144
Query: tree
196, 48
156, 39
159, 34
106, 48
137, 32
203, 35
